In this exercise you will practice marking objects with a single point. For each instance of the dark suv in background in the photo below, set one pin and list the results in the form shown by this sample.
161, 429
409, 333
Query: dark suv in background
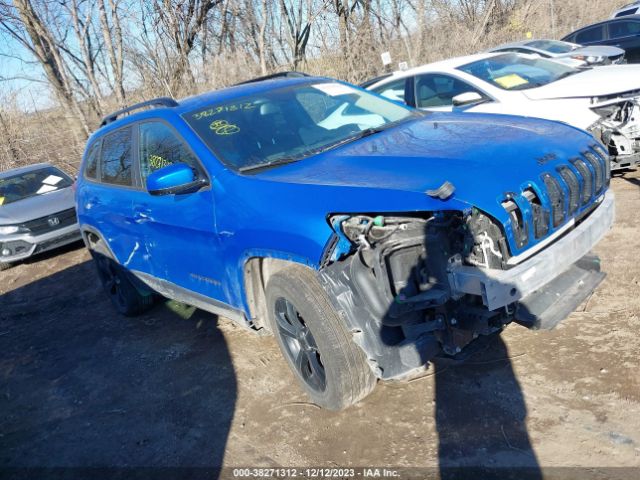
623, 32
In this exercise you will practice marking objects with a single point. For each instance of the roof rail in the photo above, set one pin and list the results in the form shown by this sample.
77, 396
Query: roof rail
156, 102
291, 74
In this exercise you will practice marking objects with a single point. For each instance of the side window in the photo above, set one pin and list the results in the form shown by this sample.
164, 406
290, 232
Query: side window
91, 163
594, 34
392, 90
160, 146
623, 29
435, 90
115, 161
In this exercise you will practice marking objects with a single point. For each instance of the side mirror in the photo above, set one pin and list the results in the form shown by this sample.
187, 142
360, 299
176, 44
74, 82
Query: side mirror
174, 179
467, 98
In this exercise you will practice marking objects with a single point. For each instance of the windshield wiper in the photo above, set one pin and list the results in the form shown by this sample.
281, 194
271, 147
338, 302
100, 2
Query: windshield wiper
263, 166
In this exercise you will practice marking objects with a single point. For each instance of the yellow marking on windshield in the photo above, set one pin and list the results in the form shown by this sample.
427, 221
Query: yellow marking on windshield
224, 108
222, 127
510, 81
1, 200
156, 162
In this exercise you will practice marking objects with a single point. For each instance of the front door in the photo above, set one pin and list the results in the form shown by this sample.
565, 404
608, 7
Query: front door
177, 233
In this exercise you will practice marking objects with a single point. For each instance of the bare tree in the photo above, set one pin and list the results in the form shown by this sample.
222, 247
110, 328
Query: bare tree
27, 27
111, 29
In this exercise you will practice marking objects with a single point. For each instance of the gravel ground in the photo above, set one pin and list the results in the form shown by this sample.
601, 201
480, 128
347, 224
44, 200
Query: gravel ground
82, 387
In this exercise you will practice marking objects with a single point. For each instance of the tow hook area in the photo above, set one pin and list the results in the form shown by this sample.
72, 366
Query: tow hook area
548, 306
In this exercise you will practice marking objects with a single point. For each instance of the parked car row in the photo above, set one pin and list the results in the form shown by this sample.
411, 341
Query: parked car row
370, 231
604, 101
621, 32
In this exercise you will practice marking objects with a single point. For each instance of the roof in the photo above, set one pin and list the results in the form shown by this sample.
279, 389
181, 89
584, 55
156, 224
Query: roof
240, 90
609, 20
28, 168
444, 65
205, 99
202, 100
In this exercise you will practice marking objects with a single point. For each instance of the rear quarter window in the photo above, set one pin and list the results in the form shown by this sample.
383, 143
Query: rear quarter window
116, 159
624, 29
91, 162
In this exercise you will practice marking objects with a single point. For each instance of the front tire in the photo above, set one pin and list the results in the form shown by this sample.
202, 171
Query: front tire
314, 340
123, 294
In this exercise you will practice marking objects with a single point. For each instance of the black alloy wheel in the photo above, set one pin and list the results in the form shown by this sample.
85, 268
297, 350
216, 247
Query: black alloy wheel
300, 345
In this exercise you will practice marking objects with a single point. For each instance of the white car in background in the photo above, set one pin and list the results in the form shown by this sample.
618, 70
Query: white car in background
629, 9
603, 100
568, 53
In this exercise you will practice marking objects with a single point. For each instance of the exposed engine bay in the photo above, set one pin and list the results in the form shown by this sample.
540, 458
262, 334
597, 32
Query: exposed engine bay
395, 282
423, 285
619, 128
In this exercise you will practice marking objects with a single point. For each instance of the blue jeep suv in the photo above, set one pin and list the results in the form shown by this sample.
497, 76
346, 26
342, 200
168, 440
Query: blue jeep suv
368, 238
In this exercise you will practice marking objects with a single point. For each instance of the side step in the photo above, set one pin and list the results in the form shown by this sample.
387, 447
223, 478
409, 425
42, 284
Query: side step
555, 301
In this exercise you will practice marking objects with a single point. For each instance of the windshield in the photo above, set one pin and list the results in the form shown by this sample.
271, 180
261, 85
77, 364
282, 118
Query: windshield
517, 72
290, 123
552, 46
29, 184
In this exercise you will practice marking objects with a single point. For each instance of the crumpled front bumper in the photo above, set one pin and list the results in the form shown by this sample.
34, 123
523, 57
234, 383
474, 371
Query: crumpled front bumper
534, 276
25, 245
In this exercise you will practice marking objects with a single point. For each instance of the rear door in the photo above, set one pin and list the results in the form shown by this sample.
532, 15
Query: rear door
625, 34
176, 233
105, 195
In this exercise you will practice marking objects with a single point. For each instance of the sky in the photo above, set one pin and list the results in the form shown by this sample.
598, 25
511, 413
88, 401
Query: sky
30, 95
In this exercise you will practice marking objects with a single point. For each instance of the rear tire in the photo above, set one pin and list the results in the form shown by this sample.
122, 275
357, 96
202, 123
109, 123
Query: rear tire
5, 266
117, 283
315, 341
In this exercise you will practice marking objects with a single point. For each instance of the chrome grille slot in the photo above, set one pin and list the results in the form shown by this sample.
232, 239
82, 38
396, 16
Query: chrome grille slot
604, 155
540, 215
587, 180
556, 197
571, 180
598, 167
517, 222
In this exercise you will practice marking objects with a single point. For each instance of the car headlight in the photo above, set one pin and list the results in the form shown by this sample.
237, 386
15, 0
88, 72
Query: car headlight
9, 229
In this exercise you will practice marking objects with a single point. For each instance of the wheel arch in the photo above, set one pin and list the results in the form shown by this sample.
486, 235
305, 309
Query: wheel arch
257, 270
95, 242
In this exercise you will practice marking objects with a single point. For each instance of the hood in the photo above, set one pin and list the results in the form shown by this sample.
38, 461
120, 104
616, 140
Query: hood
595, 82
482, 155
597, 51
36, 207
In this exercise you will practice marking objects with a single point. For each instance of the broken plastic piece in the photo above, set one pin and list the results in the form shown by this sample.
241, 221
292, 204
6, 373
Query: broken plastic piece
378, 221
443, 192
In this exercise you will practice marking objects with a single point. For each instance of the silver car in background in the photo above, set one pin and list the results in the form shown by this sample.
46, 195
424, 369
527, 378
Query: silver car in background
570, 54
37, 212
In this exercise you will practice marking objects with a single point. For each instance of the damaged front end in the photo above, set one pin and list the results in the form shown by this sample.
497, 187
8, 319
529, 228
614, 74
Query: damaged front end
619, 127
416, 286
